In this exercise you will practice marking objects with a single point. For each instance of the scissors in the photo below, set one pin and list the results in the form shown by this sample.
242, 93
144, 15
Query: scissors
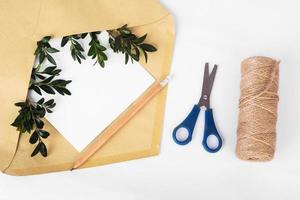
189, 122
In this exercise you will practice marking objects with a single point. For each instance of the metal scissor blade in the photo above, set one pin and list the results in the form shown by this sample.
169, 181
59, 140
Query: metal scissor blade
211, 80
205, 78
208, 81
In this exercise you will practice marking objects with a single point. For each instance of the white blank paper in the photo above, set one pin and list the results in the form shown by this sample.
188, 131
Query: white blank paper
99, 95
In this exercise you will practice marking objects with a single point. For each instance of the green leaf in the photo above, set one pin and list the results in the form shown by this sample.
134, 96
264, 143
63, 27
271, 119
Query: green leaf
64, 41
60, 82
124, 26
146, 56
41, 57
15, 124
50, 69
135, 57
52, 50
47, 80
17, 121
140, 40
102, 64
83, 35
81, 56
40, 76
39, 123
43, 150
56, 72
148, 47
78, 59
44, 134
28, 125
62, 91
40, 111
49, 102
137, 53
48, 110
103, 55
46, 39
73, 53
36, 89
77, 45
34, 137
52, 105
36, 150
38, 50
126, 58
91, 51
47, 89
38, 67
41, 101
51, 59
20, 104
100, 47
124, 29
76, 36
117, 42
94, 34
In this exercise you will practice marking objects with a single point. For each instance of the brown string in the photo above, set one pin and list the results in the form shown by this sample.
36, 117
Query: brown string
256, 134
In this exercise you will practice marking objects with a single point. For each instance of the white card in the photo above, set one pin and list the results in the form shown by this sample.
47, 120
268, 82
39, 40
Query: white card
99, 95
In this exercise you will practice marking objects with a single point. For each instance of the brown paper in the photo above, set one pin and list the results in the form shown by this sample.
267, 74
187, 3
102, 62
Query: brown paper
25, 22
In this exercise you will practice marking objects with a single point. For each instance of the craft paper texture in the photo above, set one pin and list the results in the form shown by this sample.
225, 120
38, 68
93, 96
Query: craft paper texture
25, 22
99, 95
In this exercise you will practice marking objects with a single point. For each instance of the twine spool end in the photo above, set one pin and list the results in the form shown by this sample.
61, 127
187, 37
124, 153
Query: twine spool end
254, 156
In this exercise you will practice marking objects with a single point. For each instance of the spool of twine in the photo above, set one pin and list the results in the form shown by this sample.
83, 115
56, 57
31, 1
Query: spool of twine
256, 134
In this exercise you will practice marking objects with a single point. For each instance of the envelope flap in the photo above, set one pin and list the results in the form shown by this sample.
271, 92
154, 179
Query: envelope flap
77, 16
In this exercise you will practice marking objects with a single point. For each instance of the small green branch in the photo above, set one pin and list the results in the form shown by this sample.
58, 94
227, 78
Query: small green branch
124, 41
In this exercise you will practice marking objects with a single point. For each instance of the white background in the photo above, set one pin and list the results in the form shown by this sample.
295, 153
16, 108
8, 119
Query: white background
222, 32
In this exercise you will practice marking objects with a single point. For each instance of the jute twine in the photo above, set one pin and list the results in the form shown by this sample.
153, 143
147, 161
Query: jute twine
256, 134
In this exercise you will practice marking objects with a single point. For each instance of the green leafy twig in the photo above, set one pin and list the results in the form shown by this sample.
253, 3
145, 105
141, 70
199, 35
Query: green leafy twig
42, 75
124, 41
96, 50
75, 47
44, 50
39, 81
31, 113
30, 119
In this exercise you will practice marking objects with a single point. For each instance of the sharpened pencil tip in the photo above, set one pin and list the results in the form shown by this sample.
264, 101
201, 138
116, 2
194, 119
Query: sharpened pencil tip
72, 169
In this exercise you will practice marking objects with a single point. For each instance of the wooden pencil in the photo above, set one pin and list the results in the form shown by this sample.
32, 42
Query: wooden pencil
120, 122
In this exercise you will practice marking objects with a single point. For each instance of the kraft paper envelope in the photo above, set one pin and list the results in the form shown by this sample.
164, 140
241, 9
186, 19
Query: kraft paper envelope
23, 23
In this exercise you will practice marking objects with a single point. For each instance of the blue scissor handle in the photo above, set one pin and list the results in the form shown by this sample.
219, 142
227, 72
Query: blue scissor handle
188, 124
210, 129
